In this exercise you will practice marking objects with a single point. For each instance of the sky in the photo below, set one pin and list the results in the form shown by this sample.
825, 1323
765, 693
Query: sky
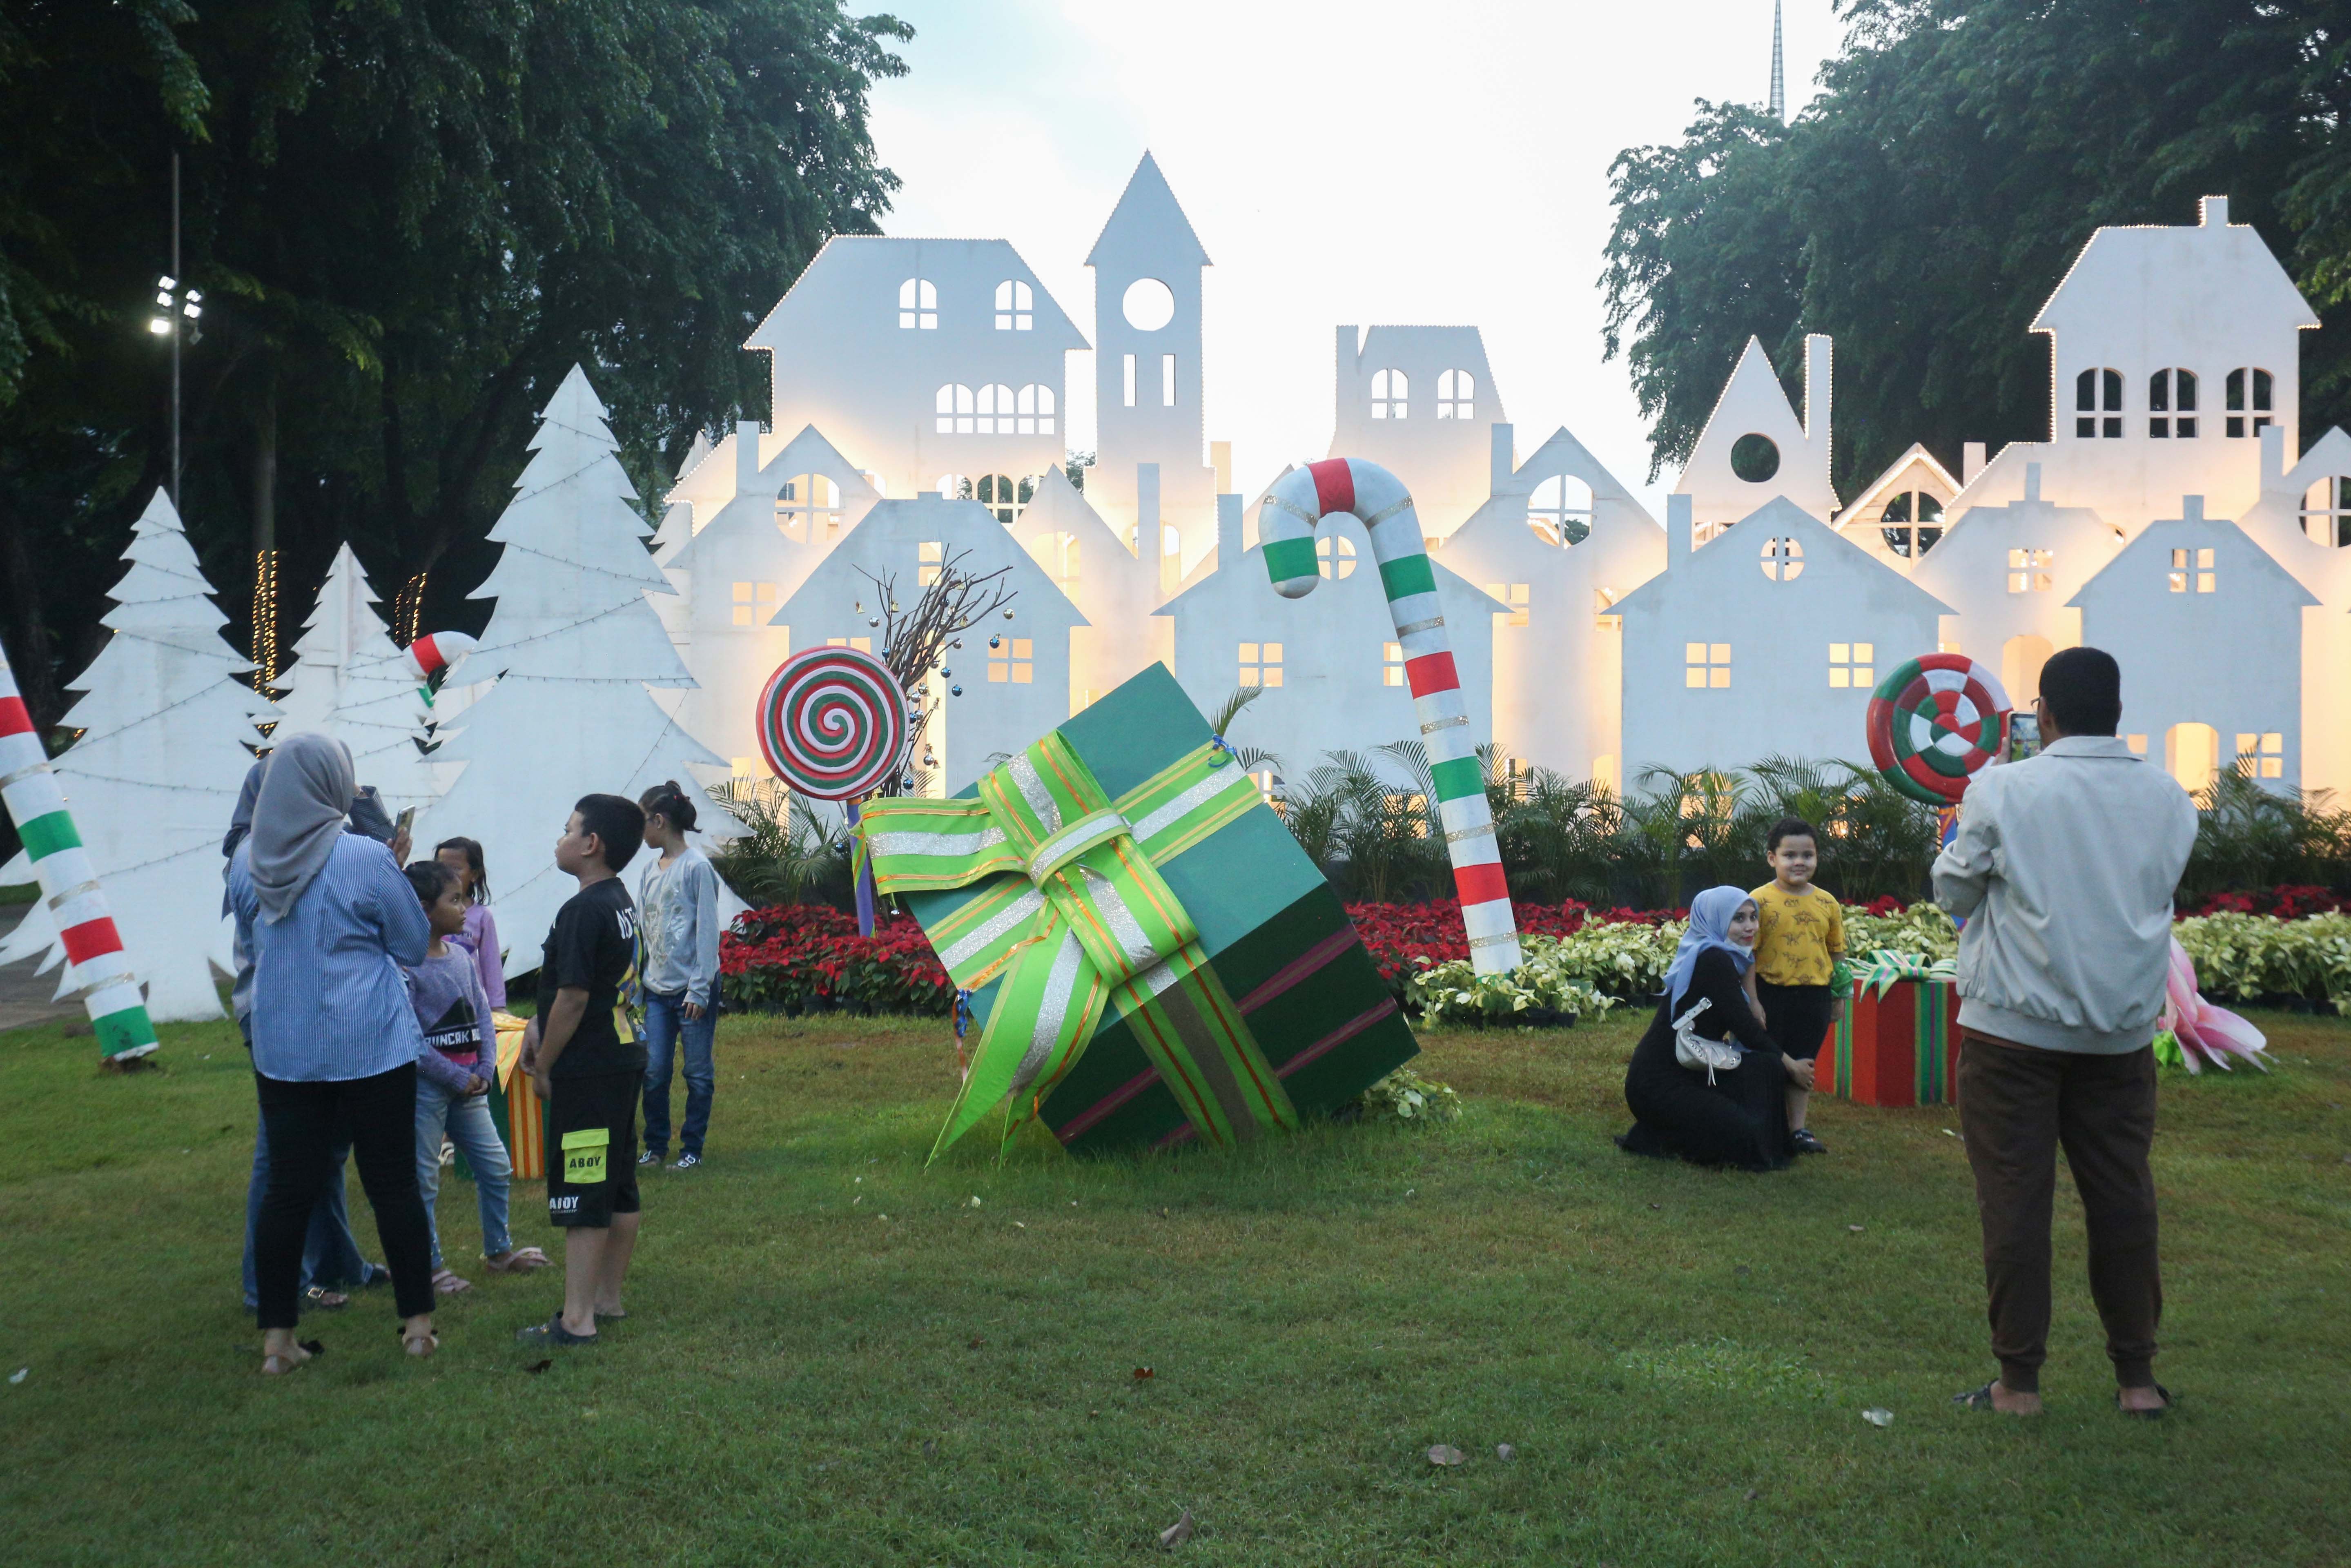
1360, 160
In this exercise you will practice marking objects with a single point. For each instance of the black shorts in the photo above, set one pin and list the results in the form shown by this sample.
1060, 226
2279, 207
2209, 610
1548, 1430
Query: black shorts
591, 1148
1797, 1016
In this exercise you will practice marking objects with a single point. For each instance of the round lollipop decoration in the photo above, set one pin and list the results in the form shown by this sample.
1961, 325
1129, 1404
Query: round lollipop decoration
1934, 724
833, 723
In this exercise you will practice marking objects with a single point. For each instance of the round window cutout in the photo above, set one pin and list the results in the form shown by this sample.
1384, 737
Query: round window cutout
1149, 306
1754, 458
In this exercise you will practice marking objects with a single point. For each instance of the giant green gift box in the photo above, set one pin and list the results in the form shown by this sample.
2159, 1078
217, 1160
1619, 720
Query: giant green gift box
1276, 935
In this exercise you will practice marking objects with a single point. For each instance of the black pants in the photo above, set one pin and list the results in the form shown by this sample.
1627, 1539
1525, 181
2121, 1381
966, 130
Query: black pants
379, 1116
2018, 1105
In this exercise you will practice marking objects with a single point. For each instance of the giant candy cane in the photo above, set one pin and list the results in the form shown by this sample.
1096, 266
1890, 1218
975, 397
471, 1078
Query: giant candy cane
1297, 501
101, 970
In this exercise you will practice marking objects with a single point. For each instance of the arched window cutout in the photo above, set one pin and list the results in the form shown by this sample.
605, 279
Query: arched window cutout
1911, 523
1390, 391
1001, 497
1457, 393
1754, 458
2326, 512
1334, 556
1036, 414
2098, 392
1016, 306
994, 413
2248, 413
2172, 405
1559, 510
954, 405
1784, 559
955, 486
918, 305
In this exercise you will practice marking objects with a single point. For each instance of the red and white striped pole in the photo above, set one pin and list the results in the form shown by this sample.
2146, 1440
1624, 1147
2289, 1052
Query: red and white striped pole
1377, 498
100, 970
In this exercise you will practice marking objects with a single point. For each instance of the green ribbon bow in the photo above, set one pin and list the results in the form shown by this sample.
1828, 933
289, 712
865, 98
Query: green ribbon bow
1885, 970
1074, 915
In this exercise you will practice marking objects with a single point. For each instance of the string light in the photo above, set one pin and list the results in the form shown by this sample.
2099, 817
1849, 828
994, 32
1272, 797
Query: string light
408, 610
265, 620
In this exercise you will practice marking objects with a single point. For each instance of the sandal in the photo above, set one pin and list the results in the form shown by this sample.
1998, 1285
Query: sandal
1976, 1398
446, 1283
518, 1260
319, 1298
552, 1332
420, 1344
2155, 1415
277, 1364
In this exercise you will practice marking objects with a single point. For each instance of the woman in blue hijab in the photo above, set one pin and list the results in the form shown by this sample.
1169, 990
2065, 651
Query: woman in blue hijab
1710, 1114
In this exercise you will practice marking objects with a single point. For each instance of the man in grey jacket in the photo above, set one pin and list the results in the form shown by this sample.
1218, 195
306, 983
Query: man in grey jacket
2064, 868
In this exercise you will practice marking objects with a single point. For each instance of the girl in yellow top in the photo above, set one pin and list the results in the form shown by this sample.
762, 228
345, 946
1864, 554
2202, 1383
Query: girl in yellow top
1800, 938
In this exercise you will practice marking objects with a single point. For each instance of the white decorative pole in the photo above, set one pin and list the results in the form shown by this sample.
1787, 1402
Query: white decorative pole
69, 885
1303, 498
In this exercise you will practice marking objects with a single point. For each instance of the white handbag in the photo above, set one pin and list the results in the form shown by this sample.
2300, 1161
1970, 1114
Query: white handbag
1694, 1050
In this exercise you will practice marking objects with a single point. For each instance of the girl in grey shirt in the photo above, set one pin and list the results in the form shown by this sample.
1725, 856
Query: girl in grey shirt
677, 906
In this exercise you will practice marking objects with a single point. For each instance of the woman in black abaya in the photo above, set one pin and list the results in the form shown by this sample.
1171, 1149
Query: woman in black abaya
1741, 1117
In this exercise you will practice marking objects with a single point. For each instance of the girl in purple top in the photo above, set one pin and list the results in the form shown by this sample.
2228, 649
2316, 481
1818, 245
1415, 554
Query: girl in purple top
480, 937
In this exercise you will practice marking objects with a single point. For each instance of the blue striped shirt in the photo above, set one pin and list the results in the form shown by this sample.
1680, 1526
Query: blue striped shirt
329, 1001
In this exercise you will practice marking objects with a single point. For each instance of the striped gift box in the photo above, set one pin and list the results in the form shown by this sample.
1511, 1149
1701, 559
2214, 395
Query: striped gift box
1275, 933
1899, 1049
515, 1108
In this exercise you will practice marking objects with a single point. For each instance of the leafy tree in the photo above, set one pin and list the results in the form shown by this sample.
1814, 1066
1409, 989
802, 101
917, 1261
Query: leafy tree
409, 217
1922, 209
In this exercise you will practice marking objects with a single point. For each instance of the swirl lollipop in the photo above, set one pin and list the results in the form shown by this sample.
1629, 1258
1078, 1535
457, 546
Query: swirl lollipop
833, 723
1934, 723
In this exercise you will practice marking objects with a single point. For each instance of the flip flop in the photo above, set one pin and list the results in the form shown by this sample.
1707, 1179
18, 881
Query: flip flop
552, 1332
430, 1339
319, 1299
446, 1283
2155, 1415
518, 1260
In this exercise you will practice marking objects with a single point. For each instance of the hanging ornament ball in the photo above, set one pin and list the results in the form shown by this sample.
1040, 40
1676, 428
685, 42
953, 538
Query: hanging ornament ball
1934, 723
907, 783
944, 672
833, 723
873, 620
954, 691
995, 642
1007, 615
956, 644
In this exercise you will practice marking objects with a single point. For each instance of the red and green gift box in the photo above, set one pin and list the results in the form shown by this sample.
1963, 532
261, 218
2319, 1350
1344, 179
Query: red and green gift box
1899, 1042
1151, 959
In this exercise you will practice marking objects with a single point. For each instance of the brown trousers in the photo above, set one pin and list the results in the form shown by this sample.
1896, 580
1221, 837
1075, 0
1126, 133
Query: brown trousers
2017, 1106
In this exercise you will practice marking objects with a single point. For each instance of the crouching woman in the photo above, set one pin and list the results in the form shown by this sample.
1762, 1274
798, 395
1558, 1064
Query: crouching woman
1706, 1084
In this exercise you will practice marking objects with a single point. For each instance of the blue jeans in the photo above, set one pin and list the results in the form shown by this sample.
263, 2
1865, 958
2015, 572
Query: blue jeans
665, 1023
468, 1121
331, 1253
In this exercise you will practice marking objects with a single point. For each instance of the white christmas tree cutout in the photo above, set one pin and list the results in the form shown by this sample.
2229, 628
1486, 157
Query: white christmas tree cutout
166, 732
573, 645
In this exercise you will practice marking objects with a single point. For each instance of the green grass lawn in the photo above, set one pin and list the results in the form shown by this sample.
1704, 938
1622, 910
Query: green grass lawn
1680, 1358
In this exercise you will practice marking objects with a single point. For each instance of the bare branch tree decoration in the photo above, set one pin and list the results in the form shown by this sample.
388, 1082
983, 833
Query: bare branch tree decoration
916, 642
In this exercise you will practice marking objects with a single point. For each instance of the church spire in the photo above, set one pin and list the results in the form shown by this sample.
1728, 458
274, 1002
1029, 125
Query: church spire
1779, 82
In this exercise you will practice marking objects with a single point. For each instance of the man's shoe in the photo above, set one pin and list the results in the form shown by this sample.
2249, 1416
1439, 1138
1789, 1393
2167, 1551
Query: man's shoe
686, 1162
1806, 1144
649, 1158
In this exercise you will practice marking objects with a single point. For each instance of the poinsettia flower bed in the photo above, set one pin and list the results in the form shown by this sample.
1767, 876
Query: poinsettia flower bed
808, 958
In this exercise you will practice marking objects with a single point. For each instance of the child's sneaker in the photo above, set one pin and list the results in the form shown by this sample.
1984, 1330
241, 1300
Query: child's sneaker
649, 1158
1807, 1144
686, 1162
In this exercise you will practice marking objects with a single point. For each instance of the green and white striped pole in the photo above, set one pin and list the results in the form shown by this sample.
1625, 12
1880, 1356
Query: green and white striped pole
100, 972
1297, 501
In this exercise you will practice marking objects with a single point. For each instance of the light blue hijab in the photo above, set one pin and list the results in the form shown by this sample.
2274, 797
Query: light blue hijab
1709, 927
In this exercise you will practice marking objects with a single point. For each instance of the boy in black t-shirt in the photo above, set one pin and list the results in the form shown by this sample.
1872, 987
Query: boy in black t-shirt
585, 1060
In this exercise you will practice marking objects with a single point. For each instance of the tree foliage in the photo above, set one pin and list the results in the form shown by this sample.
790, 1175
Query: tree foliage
1923, 208
410, 217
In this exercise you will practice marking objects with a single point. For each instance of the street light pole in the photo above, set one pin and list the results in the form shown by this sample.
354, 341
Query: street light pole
176, 333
